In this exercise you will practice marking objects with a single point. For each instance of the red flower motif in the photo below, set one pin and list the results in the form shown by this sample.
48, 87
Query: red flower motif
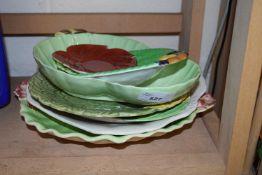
94, 58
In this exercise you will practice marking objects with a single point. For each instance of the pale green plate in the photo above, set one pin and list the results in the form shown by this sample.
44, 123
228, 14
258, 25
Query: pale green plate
46, 124
47, 94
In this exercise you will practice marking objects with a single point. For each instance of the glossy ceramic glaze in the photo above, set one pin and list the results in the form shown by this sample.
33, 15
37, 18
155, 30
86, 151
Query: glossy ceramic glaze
43, 54
51, 125
50, 96
46, 124
118, 129
170, 83
144, 57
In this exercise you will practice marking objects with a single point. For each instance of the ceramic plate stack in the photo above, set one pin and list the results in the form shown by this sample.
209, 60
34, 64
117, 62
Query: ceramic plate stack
155, 97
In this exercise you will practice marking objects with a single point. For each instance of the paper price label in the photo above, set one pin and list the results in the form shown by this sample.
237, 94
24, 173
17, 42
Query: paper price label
155, 97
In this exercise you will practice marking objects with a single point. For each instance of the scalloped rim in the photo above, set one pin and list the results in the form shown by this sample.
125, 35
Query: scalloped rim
136, 130
107, 138
99, 138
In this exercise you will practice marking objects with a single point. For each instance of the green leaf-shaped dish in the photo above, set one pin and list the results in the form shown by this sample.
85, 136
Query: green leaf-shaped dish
43, 91
46, 124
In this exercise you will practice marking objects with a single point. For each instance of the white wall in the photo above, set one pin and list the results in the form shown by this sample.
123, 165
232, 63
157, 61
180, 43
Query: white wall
209, 28
19, 49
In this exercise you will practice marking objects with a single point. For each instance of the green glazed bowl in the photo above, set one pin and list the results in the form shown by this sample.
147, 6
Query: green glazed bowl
169, 84
147, 59
43, 50
43, 55
156, 86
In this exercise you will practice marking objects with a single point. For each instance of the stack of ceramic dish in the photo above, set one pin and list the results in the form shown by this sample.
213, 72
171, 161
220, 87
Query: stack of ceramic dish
155, 97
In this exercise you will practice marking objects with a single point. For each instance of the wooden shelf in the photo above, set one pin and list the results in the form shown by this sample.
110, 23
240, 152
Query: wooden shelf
189, 151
